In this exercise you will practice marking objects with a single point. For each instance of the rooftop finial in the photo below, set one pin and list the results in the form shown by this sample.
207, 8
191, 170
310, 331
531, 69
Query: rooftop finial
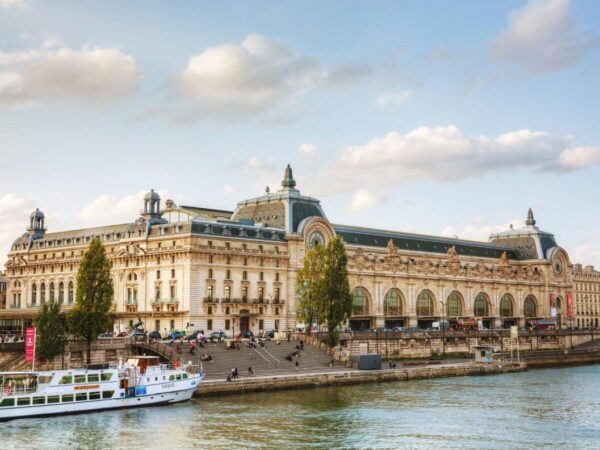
288, 178
530, 222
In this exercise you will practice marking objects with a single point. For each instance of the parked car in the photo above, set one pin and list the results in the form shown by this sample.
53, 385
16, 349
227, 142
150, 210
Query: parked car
248, 334
398, 329
217, 336
137, 334
175, 335
155, 335
271, 333
415, 329
192, 336
122, 334
106, 335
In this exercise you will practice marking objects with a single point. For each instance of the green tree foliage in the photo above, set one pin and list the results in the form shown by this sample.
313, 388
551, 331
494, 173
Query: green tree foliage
337, 297
323, 289
310, 287
89, 316
50, 334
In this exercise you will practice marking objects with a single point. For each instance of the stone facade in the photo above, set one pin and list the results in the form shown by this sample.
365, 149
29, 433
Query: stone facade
184, 267
587, 296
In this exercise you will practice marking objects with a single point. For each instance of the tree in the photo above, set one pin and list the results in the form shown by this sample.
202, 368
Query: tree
50, 333
310, 287
89, 316
337, 297
323, 289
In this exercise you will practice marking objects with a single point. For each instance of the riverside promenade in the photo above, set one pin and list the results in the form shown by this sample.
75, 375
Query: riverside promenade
340, 377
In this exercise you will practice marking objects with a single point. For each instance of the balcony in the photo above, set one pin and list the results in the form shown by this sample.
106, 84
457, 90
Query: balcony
259, 301
14, 306
278, 302
210, 300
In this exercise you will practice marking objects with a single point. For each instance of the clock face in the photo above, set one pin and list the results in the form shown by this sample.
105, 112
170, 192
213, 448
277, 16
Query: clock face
315, 239
558, 267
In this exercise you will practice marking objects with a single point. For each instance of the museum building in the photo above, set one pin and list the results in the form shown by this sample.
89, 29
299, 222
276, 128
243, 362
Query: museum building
186, 267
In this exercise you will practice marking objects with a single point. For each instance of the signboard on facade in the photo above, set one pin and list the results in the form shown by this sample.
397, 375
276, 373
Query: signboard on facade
553, 312
570, 304
29, 344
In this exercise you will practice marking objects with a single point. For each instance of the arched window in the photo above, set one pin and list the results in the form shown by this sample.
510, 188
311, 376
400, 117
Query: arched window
529, 307
51, 296
43, 293
392, 303
506, 306
360, 305
424, 304
33, 294
71, 292
454, 305
61, 292
482, 308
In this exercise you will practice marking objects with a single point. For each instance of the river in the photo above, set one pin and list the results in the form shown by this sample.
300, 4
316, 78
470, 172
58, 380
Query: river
553, 408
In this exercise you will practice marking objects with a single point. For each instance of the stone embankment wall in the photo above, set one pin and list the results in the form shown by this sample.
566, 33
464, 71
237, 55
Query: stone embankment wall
260, 384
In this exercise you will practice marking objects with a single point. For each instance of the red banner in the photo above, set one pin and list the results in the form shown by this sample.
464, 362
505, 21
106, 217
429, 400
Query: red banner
570, 304
29, 344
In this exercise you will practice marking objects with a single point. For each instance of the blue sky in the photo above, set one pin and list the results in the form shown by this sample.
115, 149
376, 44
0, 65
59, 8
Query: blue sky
430, 116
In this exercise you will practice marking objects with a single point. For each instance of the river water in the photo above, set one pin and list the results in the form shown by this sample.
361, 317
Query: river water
553, 408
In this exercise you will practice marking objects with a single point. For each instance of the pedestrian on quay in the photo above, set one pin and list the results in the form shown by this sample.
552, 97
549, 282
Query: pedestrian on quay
250, 371
297, 364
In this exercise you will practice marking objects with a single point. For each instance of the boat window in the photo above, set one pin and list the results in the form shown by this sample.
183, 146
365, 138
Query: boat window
171, 377
67, 398
53, 399
24, 401
79, 378
179, 377
106, 376
148, 379
93, 378
155, 378
44, 379
67, 379
94, 395
107, 394
81, 397
7, 402
164, 378
39, 400
184, 376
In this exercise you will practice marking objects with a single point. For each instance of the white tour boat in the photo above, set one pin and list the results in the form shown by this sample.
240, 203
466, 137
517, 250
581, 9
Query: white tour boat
141, 381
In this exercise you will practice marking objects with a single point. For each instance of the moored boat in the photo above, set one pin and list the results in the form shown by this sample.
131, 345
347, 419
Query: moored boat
141, 381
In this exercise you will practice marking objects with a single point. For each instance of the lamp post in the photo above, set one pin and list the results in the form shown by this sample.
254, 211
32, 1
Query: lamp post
443, 326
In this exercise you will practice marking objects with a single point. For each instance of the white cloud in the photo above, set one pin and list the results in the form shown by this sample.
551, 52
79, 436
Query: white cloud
307, 150
393, 98
479, 230
364, 199
542, 36
109, 209
587, 252
12, 3
446, 154
14, 211
92, 74
254, 76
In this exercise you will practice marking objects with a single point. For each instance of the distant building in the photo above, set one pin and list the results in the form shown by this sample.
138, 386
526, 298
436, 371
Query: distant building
184, 267
2, 290
587, 296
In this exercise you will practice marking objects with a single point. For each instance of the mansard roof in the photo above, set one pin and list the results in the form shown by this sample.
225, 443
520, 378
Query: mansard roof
421, 242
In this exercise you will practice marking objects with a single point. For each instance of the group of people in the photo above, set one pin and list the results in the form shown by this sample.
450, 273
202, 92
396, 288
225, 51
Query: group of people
234, 375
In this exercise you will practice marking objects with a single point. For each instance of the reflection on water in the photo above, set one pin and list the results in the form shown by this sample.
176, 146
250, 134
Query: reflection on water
543, 408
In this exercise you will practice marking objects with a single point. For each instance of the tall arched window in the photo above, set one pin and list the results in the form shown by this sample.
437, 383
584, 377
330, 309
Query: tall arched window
51, 293
61, 292
392, 303
529, 307
43, 293
454, 305
482, 308
360, 305
33, 294
71, 293
506, 306
425, 304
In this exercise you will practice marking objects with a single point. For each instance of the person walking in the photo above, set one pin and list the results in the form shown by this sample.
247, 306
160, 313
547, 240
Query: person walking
297, 364
250, 371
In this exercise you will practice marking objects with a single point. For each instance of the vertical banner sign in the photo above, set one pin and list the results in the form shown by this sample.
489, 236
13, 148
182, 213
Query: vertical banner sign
29, 344
570, 304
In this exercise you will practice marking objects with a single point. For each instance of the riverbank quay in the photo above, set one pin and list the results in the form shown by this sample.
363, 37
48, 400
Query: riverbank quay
541, 360
352, 376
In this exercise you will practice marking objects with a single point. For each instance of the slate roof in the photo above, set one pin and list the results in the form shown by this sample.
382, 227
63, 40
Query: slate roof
420, 242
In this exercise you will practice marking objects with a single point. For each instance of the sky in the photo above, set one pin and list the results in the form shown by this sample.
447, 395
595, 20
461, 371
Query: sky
436, 117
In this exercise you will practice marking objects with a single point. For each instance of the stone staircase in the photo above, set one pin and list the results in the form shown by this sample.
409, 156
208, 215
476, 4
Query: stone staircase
264, 361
